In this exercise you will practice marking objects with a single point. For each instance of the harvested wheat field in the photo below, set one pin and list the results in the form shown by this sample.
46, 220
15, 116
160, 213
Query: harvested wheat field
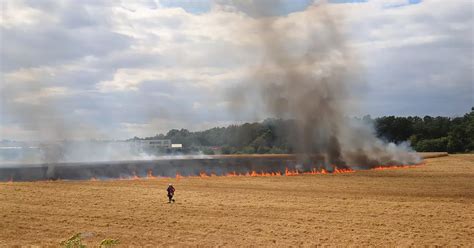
428, 205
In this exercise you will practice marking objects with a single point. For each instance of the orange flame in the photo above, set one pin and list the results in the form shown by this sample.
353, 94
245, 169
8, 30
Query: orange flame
291, 172
232, 174
135, 177
344, 170
394, 167
149, 174
288, 172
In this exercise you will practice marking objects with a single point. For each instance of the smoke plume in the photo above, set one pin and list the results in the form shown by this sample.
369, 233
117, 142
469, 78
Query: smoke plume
310, 82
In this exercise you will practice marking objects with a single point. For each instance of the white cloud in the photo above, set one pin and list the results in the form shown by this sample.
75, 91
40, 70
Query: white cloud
36, 97
18, 13
108, 63
206, 78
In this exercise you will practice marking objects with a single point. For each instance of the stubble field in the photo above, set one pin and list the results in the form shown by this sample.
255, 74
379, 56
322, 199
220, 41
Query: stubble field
428, 205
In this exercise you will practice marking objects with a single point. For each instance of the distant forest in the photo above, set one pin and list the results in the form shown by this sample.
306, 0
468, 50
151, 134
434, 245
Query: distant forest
426, 134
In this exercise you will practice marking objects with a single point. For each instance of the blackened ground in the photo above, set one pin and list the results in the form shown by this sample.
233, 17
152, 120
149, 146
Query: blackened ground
428, 205
218, 165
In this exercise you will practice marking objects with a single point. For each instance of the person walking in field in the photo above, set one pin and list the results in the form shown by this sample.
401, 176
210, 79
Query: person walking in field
170, 192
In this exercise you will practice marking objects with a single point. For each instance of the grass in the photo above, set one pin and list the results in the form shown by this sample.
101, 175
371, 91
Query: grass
428, 205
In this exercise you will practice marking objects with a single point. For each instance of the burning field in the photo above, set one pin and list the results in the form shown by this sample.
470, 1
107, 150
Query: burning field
429, 204
185, 166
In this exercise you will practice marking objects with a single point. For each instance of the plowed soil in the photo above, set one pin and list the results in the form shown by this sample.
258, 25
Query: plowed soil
431, 204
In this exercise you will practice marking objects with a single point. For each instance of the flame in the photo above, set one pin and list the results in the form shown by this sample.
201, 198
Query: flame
315, 171
232, 174
291, 172
287, 172
343, 170
149, 174
393, 167
134, 176
254, 174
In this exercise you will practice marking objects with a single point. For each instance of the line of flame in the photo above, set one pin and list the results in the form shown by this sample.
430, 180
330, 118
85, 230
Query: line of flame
287, 172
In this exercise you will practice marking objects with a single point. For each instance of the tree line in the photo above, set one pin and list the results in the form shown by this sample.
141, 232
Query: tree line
426, 134
430, 134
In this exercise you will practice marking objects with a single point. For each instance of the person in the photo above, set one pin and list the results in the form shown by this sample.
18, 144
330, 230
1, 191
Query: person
170, 192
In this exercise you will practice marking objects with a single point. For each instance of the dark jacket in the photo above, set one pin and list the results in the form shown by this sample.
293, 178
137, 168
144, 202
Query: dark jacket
170, 190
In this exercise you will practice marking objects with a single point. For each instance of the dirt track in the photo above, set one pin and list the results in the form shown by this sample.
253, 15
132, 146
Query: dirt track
428, 205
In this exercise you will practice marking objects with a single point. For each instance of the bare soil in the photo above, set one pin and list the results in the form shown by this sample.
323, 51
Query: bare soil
428, 205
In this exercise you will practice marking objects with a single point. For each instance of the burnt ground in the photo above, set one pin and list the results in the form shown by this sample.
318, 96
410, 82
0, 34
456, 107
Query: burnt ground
428, 205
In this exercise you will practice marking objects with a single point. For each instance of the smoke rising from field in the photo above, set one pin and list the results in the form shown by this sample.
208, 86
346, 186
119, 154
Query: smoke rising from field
305, 75
310, 83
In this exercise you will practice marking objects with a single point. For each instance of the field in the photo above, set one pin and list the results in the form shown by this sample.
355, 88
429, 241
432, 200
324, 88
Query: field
428, 205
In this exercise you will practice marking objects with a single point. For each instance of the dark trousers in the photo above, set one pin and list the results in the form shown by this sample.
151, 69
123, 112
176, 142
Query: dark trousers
170, 197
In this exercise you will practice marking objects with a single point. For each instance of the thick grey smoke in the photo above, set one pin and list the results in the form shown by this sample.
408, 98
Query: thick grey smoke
310, 83
305, 76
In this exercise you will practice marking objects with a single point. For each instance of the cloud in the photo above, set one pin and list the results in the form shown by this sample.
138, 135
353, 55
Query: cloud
417, 58
44, 33
141, 67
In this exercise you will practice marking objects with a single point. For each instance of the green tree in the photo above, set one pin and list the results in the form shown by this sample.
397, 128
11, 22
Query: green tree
432, 145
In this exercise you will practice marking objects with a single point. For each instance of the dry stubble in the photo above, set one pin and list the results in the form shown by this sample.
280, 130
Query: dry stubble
429, 205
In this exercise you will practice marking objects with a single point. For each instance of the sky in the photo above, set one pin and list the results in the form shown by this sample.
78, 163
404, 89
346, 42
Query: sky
119, 69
